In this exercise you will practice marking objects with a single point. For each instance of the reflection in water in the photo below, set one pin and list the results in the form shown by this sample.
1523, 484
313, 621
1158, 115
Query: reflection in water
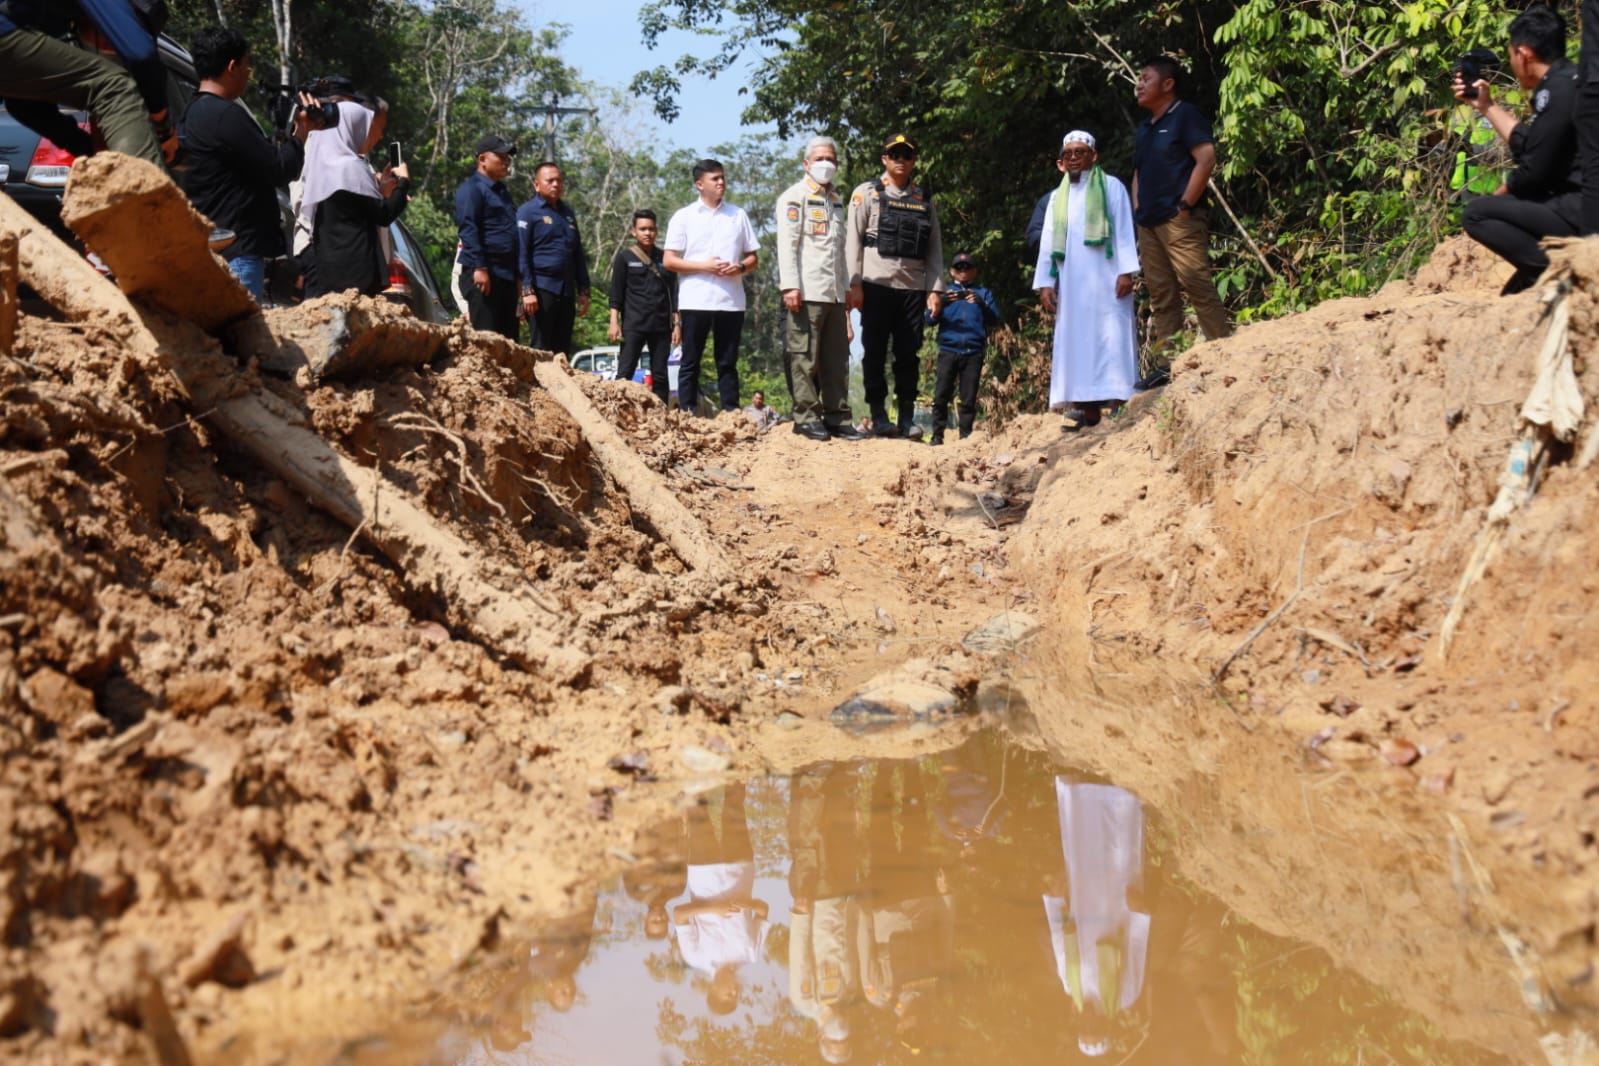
1098, 929
722, 925
888, 911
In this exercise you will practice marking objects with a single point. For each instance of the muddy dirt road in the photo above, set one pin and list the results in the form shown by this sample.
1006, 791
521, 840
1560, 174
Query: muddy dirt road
272, 781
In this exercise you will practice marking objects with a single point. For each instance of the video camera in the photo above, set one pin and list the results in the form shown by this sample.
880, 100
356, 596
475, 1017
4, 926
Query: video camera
286, 100
1477, 65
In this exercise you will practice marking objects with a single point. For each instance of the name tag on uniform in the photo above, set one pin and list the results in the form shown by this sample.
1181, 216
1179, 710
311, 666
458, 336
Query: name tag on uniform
635, 265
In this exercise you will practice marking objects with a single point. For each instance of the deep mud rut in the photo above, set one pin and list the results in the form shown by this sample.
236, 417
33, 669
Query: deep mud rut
262, 797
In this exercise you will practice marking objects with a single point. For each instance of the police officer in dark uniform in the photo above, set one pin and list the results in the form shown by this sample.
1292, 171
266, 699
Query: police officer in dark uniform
553, 266
895, 256
1542, 197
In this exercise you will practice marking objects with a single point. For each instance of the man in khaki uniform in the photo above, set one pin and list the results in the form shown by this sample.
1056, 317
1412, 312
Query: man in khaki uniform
811, 273
896, 270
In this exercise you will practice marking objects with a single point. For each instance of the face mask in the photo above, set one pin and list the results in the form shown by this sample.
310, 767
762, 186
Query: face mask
822, 171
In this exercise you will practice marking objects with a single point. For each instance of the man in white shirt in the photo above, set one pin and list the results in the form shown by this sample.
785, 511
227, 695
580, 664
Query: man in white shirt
712, 244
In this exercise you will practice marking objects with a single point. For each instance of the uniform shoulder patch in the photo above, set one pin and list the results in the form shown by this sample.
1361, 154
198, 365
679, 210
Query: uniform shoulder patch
1540, 101
857, 198
793, 212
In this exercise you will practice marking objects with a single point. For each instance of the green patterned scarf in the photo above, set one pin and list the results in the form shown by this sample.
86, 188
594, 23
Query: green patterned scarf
1097, 229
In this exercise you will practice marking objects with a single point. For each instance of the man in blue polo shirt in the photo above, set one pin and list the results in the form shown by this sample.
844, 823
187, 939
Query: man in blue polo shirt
554, 270
1172, 159
486, 217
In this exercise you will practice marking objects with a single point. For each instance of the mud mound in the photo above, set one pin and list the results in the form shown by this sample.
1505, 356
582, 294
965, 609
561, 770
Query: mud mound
224, 713
1294, 515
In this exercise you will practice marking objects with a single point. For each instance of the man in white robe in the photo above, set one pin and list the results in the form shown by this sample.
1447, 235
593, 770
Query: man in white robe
1087, 261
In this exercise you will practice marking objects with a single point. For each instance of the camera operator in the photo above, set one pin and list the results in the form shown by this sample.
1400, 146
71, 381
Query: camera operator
234, 170
1542, 196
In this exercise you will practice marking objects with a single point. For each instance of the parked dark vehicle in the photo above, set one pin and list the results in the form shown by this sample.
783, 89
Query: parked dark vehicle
411, 282
33, 171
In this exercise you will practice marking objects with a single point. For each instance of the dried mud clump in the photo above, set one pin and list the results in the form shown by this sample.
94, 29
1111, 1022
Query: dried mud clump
218, 703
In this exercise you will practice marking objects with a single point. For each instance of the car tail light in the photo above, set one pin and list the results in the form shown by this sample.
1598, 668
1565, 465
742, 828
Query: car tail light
399, 278
50, 165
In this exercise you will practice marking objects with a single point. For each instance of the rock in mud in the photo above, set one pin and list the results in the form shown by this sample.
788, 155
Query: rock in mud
1003, 632
897, 699
697, 760
1399, 751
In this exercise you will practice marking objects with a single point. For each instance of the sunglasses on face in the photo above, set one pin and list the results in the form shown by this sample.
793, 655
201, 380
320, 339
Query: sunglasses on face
1073, 153
962, 268
900, 153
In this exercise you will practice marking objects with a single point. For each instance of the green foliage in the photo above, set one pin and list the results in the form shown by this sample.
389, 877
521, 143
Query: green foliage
986, 87
1335, 129
1336, 125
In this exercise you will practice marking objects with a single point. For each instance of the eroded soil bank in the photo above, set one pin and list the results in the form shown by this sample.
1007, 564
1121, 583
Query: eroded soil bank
256, 789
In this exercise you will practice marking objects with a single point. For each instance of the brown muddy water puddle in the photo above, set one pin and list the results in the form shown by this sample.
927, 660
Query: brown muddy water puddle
981, 905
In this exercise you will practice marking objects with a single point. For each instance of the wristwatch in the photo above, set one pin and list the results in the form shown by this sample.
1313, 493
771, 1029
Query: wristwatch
1184, 205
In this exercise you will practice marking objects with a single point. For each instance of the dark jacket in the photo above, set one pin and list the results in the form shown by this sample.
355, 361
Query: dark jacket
345, 241
551, 255
963, 326
1545, 145
1035, 226
234, 173
644, 296
486, 217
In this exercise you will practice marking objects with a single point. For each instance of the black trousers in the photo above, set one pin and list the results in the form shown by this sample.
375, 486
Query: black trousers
964, 368
1587, 119
1511, 228
551, 328
495, 312
724, 329
660, 346
891, 315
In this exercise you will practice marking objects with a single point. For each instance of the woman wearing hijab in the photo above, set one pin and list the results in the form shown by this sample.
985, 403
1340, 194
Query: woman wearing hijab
345, 205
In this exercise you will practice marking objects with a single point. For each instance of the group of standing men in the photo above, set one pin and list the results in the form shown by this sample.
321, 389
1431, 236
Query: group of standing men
881, 254
522, 261
1093, 238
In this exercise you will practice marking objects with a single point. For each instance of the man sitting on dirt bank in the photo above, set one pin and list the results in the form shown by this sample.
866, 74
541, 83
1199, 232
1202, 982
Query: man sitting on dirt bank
1542, 197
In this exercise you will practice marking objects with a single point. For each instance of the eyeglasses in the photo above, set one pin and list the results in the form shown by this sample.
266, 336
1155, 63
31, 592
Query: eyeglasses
900, 153
1072, 153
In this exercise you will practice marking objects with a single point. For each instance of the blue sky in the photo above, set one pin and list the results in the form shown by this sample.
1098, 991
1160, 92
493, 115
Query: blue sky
605, 45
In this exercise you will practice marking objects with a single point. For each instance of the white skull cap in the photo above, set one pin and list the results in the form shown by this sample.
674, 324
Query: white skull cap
1078, 137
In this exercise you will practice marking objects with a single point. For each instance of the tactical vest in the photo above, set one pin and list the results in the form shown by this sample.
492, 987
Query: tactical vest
905, 224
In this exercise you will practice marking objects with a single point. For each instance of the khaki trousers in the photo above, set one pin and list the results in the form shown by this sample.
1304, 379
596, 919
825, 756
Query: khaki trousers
34, 66
817, 352
1175, 259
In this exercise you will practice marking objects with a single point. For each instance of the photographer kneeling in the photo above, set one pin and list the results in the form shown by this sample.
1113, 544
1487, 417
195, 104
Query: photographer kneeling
1542, 196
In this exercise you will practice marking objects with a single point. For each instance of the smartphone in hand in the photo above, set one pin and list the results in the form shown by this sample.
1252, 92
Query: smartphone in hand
394, 153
